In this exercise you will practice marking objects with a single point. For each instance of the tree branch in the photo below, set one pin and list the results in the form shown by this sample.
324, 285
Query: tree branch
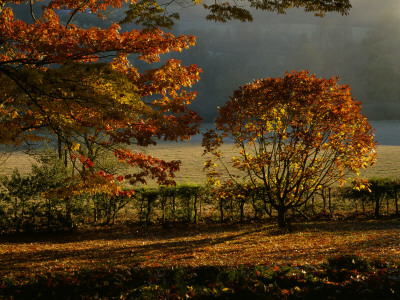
31, 10
76, 11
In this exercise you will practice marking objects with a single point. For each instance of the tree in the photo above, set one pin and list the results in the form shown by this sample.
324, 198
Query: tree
296, 134
81, 85
154, 13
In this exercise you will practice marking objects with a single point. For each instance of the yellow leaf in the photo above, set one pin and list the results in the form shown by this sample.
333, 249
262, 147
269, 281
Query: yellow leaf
75, 147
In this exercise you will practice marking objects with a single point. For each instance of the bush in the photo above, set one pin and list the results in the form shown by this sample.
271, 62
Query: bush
380, 189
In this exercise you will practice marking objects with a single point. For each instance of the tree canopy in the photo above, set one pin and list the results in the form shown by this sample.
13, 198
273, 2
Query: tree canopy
295, 135
82, 83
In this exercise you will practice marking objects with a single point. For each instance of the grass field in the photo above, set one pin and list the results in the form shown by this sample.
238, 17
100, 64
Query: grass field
190, 154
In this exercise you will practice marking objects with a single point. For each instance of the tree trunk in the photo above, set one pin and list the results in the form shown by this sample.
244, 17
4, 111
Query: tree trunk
195, 208
200, 208
221, 210
253, 198
59, 147
241, 211
163, 203
377, 206
173, 208
282, 222
65, 158
396, 202
267, 207
188, 210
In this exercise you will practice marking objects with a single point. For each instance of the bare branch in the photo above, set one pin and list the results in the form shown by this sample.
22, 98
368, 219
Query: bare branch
31, 10
75, 12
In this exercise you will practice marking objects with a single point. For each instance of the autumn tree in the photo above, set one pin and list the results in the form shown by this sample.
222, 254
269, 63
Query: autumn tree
295, 134
83, 86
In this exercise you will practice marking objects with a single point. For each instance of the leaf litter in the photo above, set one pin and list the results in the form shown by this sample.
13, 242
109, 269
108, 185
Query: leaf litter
197, 245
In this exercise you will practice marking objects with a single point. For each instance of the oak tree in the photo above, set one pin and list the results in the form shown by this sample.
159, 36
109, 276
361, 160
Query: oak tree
295, 135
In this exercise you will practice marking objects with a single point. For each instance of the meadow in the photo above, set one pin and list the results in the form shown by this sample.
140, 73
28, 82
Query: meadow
191, 156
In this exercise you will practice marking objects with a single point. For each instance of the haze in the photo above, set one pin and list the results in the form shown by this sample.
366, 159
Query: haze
361, 48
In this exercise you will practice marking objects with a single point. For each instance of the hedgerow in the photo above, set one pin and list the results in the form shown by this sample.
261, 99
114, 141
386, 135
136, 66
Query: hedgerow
25, 204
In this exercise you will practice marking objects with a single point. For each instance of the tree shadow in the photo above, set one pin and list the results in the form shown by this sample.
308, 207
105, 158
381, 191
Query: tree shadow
347, 225
137, 246
179, 230
133, 254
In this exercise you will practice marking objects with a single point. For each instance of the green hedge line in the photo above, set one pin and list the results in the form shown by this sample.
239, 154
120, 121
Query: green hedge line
24, 208
381, 191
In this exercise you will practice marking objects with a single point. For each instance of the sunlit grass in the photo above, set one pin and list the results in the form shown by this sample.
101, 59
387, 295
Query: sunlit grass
191, 155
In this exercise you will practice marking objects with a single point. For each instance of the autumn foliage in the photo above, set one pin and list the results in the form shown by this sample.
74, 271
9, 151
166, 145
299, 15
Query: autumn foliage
295, 135
81, 86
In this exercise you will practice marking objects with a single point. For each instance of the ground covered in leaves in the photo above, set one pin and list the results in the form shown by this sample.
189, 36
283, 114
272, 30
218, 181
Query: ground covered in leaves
44, 259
